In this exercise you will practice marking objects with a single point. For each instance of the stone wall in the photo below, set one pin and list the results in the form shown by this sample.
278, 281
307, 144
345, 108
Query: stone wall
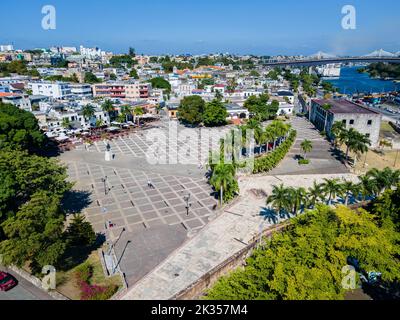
198, 289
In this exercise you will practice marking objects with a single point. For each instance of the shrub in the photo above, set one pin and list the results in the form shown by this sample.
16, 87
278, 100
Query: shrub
272, 159
304, 161
84, 272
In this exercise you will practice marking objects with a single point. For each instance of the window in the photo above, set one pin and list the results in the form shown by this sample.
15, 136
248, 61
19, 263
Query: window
369, 122
368, 135
344, 121
351, 121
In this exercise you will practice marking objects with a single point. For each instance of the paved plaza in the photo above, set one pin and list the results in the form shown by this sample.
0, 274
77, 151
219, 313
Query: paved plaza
322, 158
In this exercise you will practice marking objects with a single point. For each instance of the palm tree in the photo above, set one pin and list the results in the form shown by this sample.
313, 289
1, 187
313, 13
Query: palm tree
126, 111
279, 130
108, 107
306, 146
268, 137
385, 179
66, 124
255, 125
99, 123
88, 111
359, 145
138, 111
349, 188
315, 194
385, 143
332, 188
298, 197
222, 177
368, 187
337, 130
326, 107
279, 199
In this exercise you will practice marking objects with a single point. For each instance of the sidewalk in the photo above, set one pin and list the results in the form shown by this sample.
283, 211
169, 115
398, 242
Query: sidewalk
220, 239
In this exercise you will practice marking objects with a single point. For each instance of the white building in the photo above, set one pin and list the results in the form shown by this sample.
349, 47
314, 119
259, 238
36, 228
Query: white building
92, 52
329, 70
81, 90
56, 90
6, 48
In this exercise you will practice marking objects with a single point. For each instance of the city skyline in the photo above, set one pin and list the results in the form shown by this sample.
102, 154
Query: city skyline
177, 27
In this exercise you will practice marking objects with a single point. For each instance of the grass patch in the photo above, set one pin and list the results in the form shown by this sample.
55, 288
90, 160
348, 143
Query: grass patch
67, 282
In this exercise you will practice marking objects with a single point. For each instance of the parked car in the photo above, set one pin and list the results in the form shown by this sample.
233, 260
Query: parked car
7, 281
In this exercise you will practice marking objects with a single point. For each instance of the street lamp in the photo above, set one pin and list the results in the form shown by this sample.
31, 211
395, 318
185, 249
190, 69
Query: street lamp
104, 180
188, 205
122, 254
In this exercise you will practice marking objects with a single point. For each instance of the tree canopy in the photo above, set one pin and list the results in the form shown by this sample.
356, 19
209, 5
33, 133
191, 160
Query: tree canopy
19, 129
215, 114
161, 83
191, 110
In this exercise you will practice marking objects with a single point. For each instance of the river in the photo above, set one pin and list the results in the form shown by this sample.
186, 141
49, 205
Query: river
351, 82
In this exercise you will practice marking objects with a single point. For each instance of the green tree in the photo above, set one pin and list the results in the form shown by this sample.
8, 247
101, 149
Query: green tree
161, 83
80, 232
191, 110
306, 146
215, 114
19, 129
332, 188
315, 194
138, 111
223, 180
279, 198
66, 123
133, 74
91, 78
88, 111
108, 107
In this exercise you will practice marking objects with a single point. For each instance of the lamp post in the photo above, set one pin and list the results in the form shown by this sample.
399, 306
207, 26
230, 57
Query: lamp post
122, 254
188, 205
395, 160
104, 180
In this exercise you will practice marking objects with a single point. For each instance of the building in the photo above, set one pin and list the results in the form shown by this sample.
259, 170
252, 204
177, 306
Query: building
361, 118
56, 90
81, 90
236, 112
6, 48
287, 95
329, 70
133, 91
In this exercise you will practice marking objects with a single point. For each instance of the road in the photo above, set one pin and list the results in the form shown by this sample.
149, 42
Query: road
24, 291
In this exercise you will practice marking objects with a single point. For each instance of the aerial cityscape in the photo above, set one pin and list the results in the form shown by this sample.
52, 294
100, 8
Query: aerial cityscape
147, 156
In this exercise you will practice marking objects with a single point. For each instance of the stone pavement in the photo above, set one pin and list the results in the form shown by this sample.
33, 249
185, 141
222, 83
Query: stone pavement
220, 239
322, 158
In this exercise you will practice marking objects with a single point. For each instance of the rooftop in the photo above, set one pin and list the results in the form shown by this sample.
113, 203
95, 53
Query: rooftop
344, 106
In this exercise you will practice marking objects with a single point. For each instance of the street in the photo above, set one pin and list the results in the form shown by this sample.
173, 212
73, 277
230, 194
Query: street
24, 290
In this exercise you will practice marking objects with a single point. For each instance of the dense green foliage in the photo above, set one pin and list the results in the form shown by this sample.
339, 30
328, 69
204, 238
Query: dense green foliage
122, 61
383, 70
260, 107
271, 160
80, 232
18, 67
19, 129
191, 110
305, 261
215, 114
161, 83
91, 78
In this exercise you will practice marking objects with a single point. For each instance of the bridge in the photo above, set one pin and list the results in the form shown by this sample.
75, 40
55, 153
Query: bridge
315, 61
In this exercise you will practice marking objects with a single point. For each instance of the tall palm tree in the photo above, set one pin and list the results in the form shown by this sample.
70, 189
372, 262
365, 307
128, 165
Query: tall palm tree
332, 188
279, 130
385, 179
298, 197
368, 187
66, 124
255, 125
222, 177
326, 107
268, 137
138, 111
315, 194
306, 146
359, 145
108, 107
337, 130
279, 199
349, 188
126, 111
88, 111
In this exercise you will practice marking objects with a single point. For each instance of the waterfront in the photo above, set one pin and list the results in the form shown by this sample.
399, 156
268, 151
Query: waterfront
351, 82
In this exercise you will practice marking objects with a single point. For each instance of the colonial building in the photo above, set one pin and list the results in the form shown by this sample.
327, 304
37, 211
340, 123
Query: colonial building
324, 113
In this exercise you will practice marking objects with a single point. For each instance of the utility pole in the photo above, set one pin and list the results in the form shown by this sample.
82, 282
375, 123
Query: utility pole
188, 205
395, 160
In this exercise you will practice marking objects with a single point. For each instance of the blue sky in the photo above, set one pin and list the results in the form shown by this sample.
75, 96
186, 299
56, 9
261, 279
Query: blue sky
205, 26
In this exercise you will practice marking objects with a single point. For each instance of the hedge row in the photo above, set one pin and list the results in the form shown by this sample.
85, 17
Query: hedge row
272, 159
